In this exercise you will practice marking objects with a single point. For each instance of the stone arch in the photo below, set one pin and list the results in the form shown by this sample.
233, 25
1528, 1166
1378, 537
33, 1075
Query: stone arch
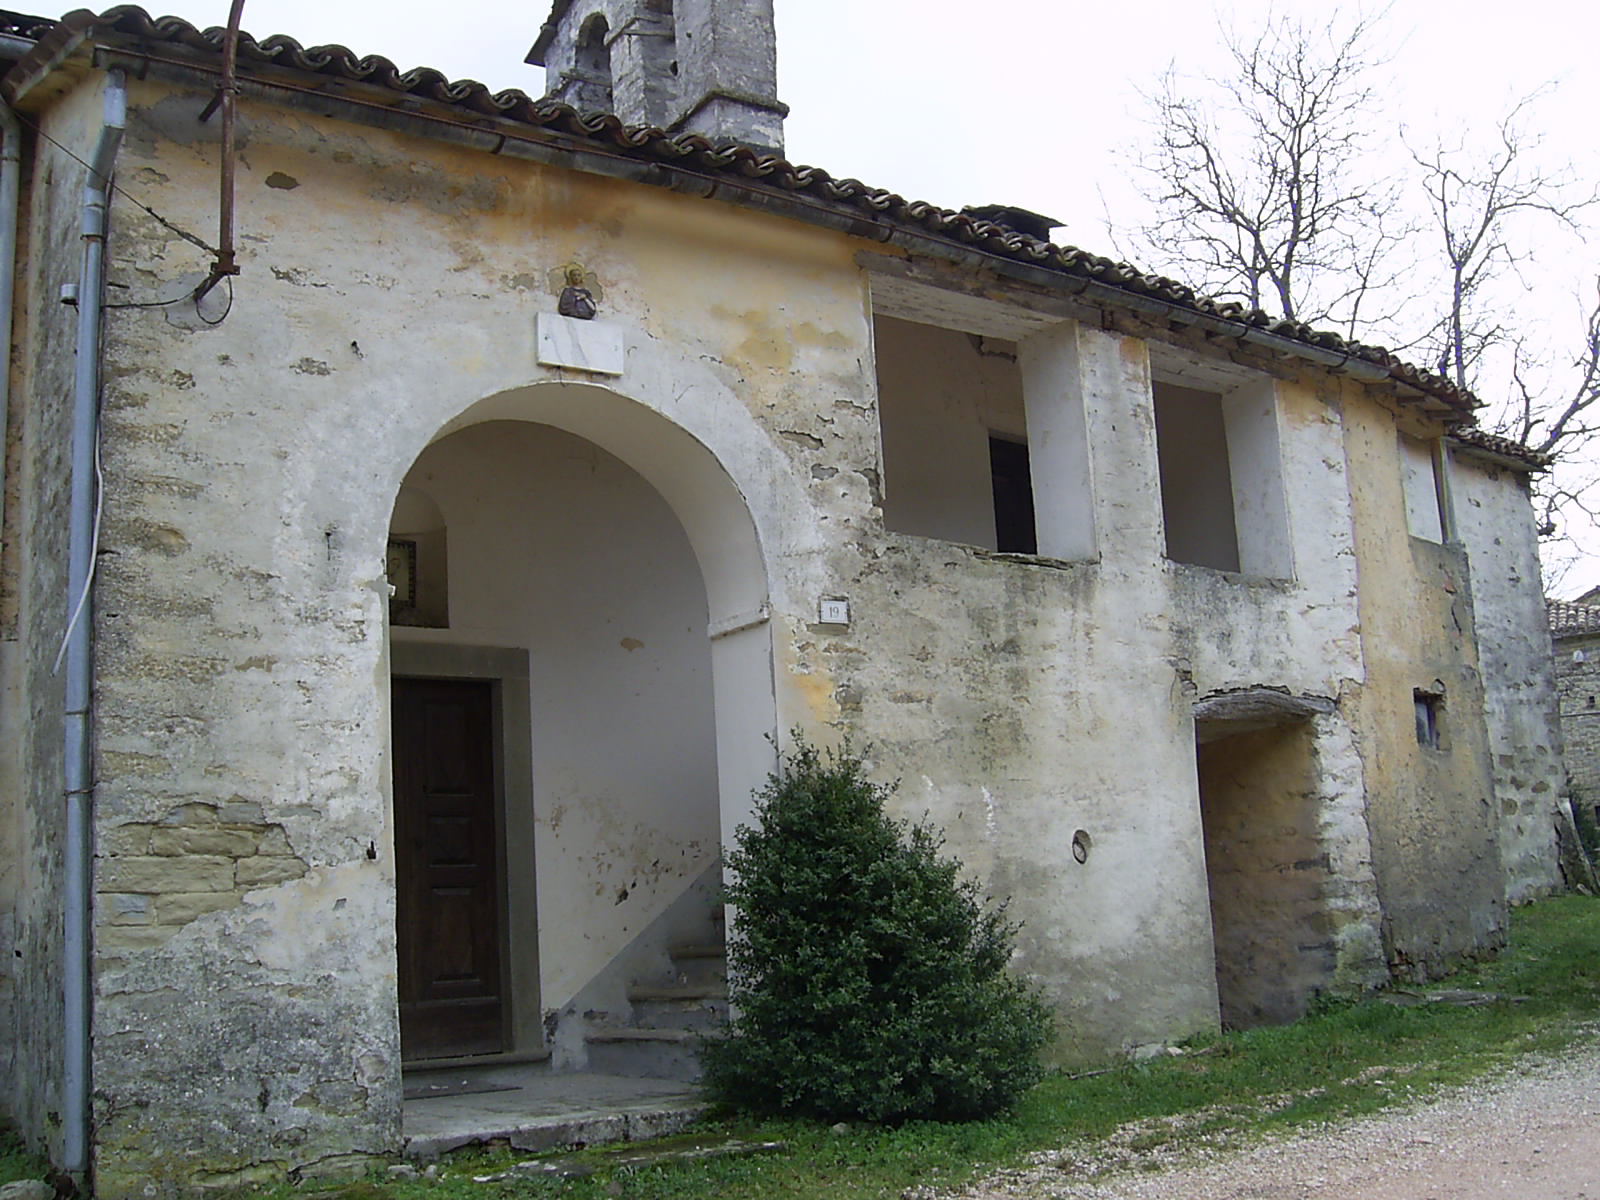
721, 535
688, 475
592, 65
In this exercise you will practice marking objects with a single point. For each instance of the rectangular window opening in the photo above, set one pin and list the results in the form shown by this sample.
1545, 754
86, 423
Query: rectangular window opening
1429, 710
946, 398
1012, 482
1196, 482
1424, 496
1221, 476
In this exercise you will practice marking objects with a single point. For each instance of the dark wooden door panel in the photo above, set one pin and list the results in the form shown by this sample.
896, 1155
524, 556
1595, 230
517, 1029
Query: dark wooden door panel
447, 864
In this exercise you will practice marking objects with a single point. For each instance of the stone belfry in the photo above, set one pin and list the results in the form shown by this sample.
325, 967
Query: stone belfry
696, 66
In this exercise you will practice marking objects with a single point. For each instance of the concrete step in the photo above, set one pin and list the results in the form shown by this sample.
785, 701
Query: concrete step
705, 963
698, 1015
706, 950
679, 991
644, 1053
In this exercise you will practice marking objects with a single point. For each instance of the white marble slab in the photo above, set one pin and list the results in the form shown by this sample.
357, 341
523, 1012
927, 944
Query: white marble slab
593, 346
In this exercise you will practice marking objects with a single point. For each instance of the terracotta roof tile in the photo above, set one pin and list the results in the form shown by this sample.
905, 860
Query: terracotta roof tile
1567, 619
1503, 447
129, 23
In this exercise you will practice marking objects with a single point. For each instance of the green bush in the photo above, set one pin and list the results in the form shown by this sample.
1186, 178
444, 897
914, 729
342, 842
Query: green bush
868, 980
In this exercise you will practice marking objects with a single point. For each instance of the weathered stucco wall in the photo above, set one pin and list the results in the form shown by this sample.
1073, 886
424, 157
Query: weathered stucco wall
251, 466
1494, 519
1431, 808
1041, 712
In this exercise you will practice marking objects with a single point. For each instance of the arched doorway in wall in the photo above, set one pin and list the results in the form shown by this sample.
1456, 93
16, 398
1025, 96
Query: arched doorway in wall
573, 646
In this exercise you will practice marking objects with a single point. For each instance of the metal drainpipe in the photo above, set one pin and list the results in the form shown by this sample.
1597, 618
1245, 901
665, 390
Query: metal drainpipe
10, 185
80, 646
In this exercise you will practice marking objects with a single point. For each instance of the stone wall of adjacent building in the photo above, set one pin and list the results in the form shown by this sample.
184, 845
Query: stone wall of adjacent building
1577, 678
33, 817
1493, 519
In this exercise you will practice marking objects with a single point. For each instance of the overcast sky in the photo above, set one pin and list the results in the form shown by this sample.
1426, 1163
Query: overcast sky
1037, 102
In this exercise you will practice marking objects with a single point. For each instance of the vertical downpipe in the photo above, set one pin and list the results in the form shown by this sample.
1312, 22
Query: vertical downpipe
79, 770
10, 186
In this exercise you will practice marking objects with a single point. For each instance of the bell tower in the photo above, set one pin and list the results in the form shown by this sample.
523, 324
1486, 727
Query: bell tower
701, 66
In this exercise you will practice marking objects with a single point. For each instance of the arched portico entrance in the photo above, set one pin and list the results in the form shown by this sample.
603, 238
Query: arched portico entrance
581, 685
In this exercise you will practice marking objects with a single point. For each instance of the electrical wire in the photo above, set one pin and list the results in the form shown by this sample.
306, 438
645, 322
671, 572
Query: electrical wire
129, 196
151, 303
227, 279
94, 555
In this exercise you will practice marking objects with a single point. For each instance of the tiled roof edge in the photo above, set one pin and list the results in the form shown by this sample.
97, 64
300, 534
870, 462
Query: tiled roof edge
746, 164
1506, 449
1567, 618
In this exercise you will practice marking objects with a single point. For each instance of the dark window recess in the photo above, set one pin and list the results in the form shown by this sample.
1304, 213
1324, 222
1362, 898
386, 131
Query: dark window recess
1429, 707
1013, 497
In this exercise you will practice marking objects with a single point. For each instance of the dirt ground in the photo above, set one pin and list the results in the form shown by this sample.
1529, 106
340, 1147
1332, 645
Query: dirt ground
1530, 1135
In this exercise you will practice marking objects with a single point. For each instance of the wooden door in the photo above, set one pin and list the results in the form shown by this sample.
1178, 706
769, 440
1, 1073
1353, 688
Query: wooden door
447, 868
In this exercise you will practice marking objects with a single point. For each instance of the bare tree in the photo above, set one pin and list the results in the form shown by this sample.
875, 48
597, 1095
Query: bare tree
1265, 194
1474, 201
1277, 184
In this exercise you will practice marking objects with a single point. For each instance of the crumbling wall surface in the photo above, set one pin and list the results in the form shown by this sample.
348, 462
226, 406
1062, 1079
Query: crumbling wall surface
245, 1012
35, 607
984, 684
1494, 522
1431, 808
1302, 636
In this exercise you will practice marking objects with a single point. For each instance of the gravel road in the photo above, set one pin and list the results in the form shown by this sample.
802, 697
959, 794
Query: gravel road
1530, 1135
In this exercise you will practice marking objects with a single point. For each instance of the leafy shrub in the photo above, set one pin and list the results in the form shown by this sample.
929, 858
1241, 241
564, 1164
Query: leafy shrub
868, 979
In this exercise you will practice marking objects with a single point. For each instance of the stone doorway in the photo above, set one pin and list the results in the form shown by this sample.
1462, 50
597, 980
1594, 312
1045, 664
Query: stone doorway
1266, 872
449, 890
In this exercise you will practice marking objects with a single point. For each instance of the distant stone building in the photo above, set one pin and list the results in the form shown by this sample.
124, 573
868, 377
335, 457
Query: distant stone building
1575, 633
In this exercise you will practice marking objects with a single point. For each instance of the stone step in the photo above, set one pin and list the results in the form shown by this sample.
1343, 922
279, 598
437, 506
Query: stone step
700, 963
703, 950
678, 991
644, 1053
695, 1016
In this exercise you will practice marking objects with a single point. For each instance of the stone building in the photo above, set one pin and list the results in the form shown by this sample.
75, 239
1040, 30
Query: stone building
1575, 633
454, 568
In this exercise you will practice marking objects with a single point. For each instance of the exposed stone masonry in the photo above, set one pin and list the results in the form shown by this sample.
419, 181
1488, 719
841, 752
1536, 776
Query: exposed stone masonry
153, 879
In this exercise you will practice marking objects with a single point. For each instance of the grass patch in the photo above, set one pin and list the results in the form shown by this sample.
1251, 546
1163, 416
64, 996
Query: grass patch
1347, 1060
16, 1161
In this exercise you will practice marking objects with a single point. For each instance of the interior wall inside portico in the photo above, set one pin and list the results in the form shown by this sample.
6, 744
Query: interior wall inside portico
558, 547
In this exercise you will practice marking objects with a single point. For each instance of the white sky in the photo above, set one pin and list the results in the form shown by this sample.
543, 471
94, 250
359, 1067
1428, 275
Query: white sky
1036, 102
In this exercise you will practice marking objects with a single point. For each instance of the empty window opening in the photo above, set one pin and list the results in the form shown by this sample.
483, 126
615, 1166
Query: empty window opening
955, 436
1266, 872
1424, 495
417, 562
1591, 701
1428, 707
1013, 497
1222, 494
1196, 482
